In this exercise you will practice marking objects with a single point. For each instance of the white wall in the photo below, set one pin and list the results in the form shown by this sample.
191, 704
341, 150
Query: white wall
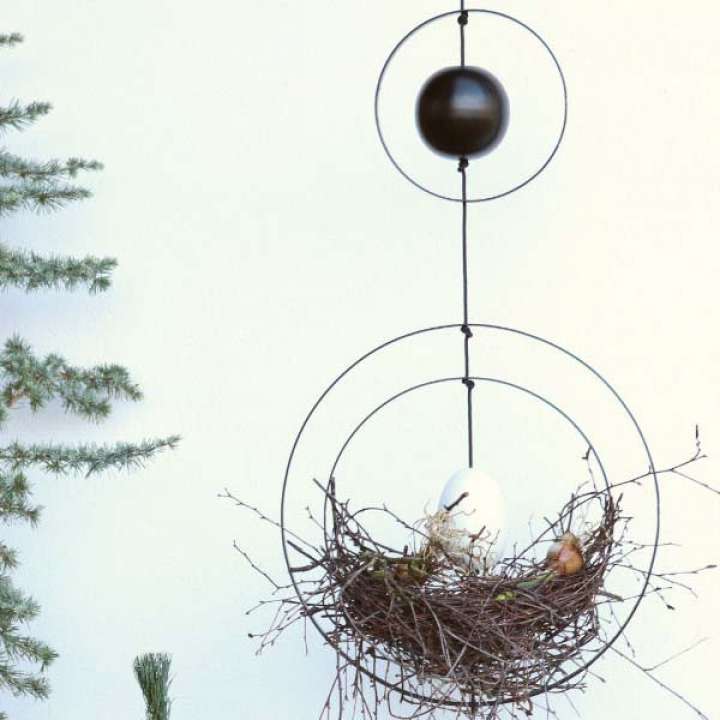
265, 242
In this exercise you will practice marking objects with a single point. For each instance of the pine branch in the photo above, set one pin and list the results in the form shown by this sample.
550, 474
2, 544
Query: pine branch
22, 648
14, 166
39, 196
15, 606
16, 609
87, 459
9, 40
152, 672
87, 393
8, 558
18, 117
15, 501
30, 271
22, 683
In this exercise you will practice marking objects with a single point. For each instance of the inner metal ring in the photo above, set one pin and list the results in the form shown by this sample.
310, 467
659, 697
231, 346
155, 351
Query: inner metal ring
378, 122
495, 381
519, 333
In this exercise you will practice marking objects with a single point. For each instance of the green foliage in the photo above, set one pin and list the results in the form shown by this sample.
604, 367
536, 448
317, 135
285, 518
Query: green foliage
38, 196
29, 184
86, 459
17, 117
31, 381
88, 393
30, 271
14, 166
16, 609
152, 672
15, 505
26, 379
33, 185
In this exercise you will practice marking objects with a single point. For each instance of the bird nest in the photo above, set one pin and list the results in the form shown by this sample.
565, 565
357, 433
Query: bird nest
440, 624
465, 632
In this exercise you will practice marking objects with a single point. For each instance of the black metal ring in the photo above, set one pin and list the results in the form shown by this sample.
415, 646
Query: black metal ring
592, 451
487, 198
552, 345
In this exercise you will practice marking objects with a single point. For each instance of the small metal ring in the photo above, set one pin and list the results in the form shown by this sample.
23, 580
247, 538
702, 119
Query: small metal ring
487, 198
432, 383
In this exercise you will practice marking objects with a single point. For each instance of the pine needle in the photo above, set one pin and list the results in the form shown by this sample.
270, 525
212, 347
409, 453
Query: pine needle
153, 675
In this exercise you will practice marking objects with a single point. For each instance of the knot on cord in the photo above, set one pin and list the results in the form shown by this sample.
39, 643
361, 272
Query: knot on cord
462, 165
463, 18
468, 383
466, 331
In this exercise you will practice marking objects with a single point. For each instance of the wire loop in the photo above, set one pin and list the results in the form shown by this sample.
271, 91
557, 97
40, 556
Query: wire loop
398, 47
286, 535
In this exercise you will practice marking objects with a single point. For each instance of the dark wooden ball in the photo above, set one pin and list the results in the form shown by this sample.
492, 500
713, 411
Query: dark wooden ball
462, 112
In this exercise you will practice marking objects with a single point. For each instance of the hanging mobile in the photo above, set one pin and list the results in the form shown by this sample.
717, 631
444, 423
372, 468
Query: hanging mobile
457, 619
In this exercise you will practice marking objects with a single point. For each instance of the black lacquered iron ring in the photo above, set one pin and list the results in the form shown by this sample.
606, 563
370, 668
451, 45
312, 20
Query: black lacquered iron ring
378, 92
520, 333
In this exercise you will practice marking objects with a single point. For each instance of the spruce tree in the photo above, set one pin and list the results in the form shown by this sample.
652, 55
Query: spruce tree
32, 381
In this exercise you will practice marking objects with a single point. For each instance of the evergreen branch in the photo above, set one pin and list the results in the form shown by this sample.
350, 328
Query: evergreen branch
30, 271
26, 649
22, 683
15, 606
18, 117
15, 609
152, 672
87, 459
9, 40
14, 166
39, 196
87, 393
15, 500
8, 558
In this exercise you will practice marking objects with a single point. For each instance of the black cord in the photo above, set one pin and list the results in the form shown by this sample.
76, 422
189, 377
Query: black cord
465, 328
462, 21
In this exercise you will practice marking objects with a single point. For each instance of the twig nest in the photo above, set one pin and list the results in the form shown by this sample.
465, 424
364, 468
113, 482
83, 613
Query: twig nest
565, 556
457, 626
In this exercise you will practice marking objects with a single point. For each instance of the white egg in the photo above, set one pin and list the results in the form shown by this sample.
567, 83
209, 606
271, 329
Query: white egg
482, 510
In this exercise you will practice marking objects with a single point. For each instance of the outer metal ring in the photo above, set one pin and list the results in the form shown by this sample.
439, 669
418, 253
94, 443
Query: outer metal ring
378, 122
530, 336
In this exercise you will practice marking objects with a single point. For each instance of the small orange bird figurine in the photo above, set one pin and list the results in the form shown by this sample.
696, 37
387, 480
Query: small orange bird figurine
565, 556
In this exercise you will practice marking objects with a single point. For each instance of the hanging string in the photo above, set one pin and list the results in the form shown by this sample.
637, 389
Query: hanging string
466, 331
465, 328
462, 21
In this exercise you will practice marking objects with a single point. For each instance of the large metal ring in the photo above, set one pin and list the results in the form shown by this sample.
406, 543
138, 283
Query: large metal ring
651, 465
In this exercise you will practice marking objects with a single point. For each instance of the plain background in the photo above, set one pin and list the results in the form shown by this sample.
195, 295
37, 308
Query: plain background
265, 242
